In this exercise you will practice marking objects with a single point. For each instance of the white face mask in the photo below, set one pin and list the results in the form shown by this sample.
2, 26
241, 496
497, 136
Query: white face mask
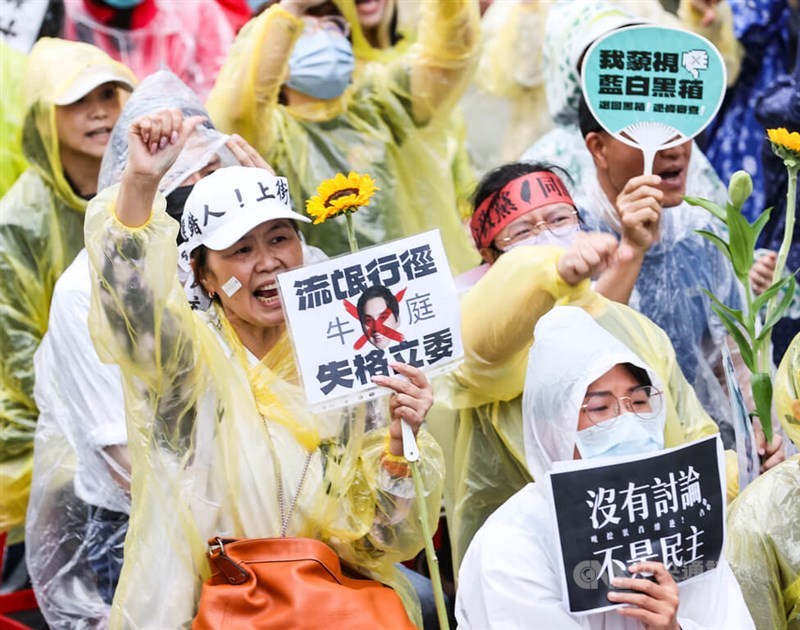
627, 434
560, 237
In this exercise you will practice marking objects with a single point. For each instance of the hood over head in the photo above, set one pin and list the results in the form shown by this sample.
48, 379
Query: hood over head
164, 90
570, 351
60, 71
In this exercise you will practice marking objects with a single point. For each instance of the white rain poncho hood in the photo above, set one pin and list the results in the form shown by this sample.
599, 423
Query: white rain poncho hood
164, 90
571, 350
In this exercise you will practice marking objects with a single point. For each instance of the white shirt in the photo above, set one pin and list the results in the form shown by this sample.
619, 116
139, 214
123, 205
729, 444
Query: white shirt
79, 393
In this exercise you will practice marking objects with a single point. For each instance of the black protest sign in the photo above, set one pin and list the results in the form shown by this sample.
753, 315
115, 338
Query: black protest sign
668, 508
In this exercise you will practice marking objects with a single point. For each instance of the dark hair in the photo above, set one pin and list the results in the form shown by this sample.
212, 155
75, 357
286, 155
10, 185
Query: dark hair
377, 291
53, 20
494, 181
586, 120
640, 374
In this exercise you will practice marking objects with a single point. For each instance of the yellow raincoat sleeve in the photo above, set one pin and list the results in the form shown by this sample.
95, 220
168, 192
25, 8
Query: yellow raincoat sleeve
245, 94
498, 316
763, 539
443, 58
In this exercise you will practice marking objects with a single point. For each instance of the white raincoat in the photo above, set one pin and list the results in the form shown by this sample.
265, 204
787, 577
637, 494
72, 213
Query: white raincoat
510, 575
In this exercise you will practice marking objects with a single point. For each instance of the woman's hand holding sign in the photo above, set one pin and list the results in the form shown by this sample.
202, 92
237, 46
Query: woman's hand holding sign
411, 400
654, 603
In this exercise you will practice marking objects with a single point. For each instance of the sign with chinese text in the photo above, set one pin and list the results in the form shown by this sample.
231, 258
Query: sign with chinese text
352, 315
651, 75
20, 22
668, 507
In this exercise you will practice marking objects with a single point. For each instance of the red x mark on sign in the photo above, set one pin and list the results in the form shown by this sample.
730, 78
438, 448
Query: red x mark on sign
376, 325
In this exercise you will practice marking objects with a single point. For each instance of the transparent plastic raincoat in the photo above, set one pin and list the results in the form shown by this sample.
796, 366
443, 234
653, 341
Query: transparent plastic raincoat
510, 575
189, 38
212, 433
41, 231
669, 290
77, 514
375, 127
763, 544
571, 28
498, 315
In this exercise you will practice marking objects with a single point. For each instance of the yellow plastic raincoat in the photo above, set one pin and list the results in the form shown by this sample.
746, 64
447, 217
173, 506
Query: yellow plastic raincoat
41, 231
450, 134
498, 315
12, 161
763, 544
377, 126
213, 433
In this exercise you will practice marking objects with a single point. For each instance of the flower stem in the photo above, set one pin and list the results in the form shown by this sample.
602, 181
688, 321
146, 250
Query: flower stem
783, 253
351, 233
430, 552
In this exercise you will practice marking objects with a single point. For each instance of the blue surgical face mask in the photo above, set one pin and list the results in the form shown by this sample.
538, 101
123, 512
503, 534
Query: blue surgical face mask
561, 237
627, 434
321, 65
123, 4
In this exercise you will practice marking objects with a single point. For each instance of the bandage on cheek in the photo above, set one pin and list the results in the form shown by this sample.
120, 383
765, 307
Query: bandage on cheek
231, 286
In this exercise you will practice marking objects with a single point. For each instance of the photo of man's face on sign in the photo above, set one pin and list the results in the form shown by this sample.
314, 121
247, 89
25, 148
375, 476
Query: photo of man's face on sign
379, 313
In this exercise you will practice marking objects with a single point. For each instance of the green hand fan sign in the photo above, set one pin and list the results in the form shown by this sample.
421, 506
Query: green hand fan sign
653, 87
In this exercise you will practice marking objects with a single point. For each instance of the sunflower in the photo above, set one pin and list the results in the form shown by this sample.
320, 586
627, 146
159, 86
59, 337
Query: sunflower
340, 194
785, 144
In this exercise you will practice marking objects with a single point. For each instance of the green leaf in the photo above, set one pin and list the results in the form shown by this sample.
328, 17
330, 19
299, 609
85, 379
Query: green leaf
762, 299
735, 313
741, 242
760, 222
744, 346
716, 240
713, 208
776, 315
762, 395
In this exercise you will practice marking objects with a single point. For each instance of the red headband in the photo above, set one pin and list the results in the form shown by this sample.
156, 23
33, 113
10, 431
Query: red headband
517, 197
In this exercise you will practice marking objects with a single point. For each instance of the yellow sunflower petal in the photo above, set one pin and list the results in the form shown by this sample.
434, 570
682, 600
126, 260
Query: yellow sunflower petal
786, 144
341, 194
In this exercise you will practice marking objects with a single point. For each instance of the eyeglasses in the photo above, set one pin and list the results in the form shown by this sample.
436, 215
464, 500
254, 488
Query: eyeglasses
524, 230
330, 23
643, 401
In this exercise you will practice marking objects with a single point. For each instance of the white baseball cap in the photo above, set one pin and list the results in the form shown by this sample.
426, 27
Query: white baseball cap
94, 75
231, 201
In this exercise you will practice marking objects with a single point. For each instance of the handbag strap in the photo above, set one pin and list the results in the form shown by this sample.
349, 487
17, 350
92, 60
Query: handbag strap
286, 516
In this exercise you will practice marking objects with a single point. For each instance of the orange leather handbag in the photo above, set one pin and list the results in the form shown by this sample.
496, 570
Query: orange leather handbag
290, 583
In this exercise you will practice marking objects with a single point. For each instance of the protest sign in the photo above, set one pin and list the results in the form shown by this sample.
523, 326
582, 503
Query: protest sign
653, 87
668, 507
350, 315
746, 448
20, 22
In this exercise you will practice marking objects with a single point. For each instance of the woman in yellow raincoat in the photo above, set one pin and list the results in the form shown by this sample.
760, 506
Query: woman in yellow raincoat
220, 438
71, 104
763, 543
377, 125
